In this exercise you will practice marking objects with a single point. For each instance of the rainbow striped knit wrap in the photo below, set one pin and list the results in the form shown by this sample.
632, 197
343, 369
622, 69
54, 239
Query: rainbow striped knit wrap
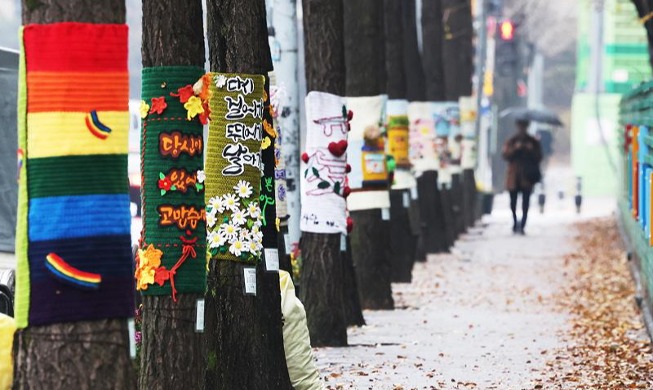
233, 168
73, 235
171, 257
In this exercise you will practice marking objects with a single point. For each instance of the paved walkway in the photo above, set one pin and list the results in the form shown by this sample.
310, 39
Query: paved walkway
478, 318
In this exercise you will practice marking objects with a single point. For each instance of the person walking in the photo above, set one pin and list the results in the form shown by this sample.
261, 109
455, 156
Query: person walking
523, 154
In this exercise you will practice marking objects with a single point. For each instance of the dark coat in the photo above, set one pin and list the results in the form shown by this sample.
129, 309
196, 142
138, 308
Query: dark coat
524, 154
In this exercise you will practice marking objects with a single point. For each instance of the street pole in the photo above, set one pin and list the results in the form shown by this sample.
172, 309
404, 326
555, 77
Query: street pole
481, 55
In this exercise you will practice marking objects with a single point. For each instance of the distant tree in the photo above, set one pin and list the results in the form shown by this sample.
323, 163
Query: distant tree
322, 274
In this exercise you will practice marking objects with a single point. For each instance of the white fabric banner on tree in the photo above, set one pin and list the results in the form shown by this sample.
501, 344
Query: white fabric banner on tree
366, 158
324, 165
423, 154
398, 143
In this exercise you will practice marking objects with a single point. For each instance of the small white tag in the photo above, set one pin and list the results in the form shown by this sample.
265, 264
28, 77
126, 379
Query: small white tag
131, 326
343, 243
199, 320
406, 200
385, 214
286, 243
271, 259
249, 276
413, 193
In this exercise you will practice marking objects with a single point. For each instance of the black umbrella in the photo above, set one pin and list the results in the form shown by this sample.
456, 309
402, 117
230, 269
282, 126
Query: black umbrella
532, 115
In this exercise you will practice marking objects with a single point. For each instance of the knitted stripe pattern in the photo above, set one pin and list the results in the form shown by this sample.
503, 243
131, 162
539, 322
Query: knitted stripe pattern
233, 167
74, 257
171, 257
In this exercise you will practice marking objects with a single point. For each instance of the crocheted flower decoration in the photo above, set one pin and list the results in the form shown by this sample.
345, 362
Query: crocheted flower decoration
144, 109
194, 107
148, 263
158, 105
184, 93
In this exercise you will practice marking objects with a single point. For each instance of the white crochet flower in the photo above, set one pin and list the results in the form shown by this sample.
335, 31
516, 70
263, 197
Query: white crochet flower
237, 247
243, 189
230, 202
238, 218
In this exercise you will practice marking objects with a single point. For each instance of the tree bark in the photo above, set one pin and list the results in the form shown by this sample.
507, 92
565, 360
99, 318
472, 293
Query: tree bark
172, 35
415, 83
458, 197
402, 240
470, 198
353, 311
433, 222
324, 46
394, 49
322, 275
449, 220
321, 272
644, 7
364, 48
458, 49
432, 53
372, 268
365, 64
243, 332
84, 354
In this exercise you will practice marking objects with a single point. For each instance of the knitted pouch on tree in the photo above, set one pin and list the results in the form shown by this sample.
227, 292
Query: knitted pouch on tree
73, 234
233, 167
324, 165
366, 153
171, 258
280, 164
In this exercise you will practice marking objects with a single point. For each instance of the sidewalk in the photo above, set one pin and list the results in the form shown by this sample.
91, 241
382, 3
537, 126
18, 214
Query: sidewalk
478, 318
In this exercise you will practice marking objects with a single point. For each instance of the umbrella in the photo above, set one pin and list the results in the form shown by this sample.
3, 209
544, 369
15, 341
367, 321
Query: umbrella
532, 115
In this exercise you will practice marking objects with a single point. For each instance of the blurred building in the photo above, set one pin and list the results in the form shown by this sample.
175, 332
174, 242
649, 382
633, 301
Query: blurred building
612, 58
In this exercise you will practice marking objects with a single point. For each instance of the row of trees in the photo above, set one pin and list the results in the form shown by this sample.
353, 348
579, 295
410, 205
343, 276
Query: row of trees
353, 48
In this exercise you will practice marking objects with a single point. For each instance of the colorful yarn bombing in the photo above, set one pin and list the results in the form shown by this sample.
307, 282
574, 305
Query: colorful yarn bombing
170, 260
233, 168
68, 274
96, 127
73, 192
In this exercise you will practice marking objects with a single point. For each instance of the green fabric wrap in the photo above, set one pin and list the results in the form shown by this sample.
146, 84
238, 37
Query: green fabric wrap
233, 168
22, 264
172, 193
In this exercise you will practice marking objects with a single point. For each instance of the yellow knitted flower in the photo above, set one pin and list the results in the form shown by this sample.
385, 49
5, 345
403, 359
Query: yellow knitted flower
265, 143
194, 107
144, 109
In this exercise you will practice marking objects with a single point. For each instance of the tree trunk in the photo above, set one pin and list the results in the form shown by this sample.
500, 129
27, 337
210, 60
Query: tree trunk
353, 311
84, 354
404, 241
459, 198
433, 221
415, 83
243, 332
394, 49
416, 92
172, 36
644, 7
320, 273
365, 64
458, 49
322, 277
372, 269
449, 220
470, 197
364, 48
432, 50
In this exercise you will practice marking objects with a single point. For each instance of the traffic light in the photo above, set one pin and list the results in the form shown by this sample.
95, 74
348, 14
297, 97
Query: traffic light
507, 50
507, 30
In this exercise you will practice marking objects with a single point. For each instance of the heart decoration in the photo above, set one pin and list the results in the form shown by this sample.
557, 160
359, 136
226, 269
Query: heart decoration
346, 191
305, 157
348, 168
350, 115
338, 148
350, 224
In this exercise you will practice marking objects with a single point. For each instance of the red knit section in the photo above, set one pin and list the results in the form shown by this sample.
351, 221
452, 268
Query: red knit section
76, 47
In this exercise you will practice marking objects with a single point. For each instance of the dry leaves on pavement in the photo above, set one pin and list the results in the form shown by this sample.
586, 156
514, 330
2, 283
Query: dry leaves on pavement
608, 347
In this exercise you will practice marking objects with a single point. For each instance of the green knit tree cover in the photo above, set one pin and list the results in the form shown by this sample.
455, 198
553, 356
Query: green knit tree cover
233, 167
171, 258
